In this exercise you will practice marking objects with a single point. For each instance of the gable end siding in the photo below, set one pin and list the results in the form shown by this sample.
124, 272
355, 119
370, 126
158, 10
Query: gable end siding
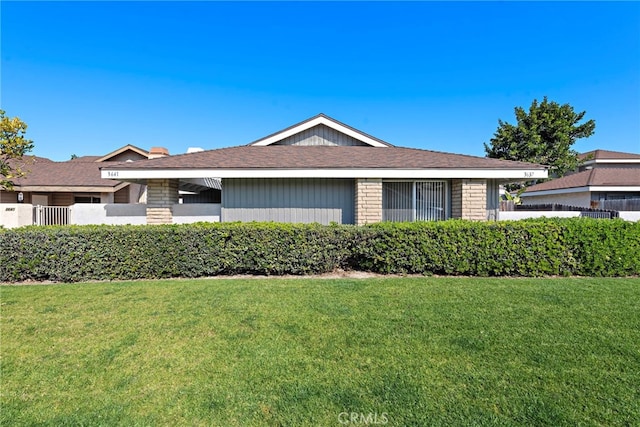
321, 135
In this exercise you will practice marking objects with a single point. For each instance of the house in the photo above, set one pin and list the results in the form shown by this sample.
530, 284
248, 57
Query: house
603, 176
322, 170
49, 183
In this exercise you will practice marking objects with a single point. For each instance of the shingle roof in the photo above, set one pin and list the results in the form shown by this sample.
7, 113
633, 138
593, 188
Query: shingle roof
74, 173
618, 177
606, 154
322, 157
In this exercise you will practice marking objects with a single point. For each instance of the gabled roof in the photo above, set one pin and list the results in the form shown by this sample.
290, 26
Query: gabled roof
608, 155
323, 161
79, 174
321, 119
73, 175
121, 150
322, 157
586, 180
357, 155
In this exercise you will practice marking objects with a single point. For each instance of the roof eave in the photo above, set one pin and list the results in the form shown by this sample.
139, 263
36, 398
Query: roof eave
390, 173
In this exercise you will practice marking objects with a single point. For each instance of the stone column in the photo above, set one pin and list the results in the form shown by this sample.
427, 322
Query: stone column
162, 194
469, 199
368, 201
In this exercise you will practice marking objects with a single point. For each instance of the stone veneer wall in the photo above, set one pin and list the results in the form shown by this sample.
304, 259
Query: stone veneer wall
368, 201
469, 199
162, 194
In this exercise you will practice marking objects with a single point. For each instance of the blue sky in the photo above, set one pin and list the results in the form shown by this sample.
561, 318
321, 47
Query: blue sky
90, 77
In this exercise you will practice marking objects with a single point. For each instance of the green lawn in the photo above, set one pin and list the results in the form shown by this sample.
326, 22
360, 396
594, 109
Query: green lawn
292, 352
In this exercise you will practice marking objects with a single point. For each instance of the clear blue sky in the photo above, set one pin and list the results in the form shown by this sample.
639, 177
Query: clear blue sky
90, 77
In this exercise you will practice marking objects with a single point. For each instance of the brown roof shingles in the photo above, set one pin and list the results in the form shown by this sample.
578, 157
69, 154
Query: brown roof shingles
323, 157
607, 154
75, 173
619, 177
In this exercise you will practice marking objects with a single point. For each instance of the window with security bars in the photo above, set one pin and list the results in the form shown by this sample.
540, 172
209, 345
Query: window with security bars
414, 201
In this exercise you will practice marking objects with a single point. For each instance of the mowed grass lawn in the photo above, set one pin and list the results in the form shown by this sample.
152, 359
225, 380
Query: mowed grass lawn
322, 352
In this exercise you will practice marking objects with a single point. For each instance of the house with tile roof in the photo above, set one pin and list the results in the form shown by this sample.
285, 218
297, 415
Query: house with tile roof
604, 175
322, 170
49, 183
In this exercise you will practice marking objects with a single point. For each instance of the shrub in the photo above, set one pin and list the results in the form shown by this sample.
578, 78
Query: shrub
541, 247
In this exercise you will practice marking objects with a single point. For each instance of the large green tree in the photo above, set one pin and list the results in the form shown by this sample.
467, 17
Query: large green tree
13, 145
542, 135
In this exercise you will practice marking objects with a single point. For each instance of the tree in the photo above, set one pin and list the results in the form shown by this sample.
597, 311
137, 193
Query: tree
13, 145
544, 135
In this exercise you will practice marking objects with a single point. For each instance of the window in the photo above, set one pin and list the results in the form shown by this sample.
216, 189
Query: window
414, 201
86, 199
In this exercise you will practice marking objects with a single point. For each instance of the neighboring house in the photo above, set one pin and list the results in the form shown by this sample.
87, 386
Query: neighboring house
604, 175
49, 183
321, 170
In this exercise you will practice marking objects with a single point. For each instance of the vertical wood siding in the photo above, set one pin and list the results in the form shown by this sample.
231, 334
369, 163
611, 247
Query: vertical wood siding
288, 200
493, 199
121, 196
320, 135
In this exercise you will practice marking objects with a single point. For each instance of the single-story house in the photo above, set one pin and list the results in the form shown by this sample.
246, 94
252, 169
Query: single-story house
604, 175
50, 183
322, 170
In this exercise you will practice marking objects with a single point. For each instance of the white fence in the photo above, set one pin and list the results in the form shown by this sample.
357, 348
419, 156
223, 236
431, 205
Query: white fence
51, 215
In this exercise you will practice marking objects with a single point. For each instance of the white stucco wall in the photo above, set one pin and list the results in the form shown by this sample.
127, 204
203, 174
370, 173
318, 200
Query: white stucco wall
112, 214
517, 215
196, 212
14, 215
136, 214
632, 216
581, 199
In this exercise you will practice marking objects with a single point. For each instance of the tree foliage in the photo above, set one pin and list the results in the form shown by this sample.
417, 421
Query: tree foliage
543, 135
13, 146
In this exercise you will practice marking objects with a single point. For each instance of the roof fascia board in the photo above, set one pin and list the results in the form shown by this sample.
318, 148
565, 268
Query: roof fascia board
135, 174
612, 161
70, 189
557, 191
614, 188
321, 120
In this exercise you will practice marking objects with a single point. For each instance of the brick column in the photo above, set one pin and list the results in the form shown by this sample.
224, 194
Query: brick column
469, 199
162, 194
368, 200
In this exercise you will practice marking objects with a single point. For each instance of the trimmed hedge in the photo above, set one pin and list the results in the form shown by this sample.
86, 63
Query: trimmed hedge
541, 247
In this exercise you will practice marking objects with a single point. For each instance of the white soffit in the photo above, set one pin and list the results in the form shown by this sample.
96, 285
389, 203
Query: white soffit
315, 122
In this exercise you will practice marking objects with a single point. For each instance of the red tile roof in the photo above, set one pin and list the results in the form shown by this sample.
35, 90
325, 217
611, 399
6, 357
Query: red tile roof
322, 157
618, 177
